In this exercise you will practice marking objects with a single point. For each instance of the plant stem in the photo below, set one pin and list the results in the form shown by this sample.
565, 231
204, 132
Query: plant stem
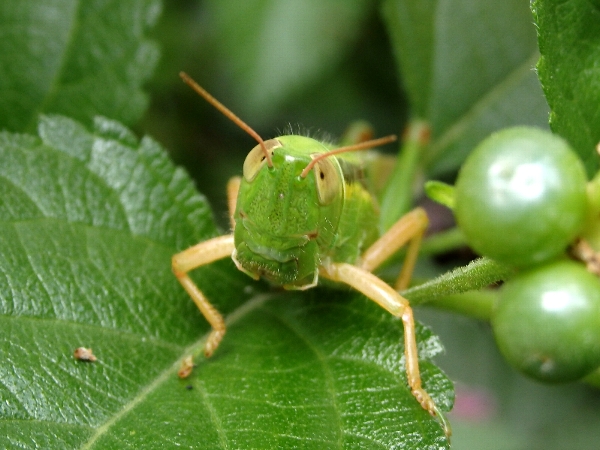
443, 242
593, 379
476, 304
476, 275
398, 194
591, 231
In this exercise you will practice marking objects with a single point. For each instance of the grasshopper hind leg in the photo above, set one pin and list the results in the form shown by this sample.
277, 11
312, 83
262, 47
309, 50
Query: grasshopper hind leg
409, 229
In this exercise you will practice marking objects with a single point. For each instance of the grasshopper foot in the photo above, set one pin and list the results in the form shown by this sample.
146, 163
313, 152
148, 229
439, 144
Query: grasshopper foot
428, 405
213, 341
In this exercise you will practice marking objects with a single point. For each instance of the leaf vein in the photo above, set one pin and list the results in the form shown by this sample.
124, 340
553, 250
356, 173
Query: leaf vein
238, 314
329, 379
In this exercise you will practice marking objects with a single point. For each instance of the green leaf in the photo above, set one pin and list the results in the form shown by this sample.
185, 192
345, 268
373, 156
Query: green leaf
88, 224
440, 192
76, 57
272, 49
569, 40
467, 68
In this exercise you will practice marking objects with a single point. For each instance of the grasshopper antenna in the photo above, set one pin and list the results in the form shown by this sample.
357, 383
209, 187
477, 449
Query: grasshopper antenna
349, 148
230, 115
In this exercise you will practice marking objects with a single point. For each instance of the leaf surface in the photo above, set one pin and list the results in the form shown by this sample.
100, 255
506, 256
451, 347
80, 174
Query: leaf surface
273, 49
569, 41
75, 57
88, 223
467, 67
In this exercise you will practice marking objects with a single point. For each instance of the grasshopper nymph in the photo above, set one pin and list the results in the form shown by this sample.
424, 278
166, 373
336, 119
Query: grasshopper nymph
334, 234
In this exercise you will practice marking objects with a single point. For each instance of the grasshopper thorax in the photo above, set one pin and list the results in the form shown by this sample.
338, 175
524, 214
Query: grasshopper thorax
286, 222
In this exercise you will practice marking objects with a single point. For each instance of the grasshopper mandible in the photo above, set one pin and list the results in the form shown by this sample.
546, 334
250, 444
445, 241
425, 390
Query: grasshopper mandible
334, 234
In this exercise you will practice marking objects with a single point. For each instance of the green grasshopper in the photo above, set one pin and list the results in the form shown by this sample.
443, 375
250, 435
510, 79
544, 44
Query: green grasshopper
300, 214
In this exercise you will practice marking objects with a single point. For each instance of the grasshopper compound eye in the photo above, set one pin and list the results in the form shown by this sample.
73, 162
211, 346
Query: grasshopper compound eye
256, 159
327, 180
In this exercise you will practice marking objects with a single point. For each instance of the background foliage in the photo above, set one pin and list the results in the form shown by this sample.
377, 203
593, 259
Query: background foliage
90, 214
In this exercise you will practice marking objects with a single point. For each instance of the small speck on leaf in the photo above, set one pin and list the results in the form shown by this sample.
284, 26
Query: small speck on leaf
84, 354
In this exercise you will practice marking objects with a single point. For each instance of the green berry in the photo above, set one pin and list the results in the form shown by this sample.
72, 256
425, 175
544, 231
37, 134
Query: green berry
521, 196
547, 322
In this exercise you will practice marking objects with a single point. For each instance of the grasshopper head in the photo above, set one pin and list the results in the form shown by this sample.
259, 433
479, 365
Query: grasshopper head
284, 221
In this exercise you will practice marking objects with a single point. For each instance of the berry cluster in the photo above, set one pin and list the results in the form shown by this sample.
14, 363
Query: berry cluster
520, 198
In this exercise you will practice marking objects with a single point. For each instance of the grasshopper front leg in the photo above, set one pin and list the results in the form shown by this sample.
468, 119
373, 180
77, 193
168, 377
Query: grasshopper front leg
192, 258
233, 187
409, 229
200, 255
